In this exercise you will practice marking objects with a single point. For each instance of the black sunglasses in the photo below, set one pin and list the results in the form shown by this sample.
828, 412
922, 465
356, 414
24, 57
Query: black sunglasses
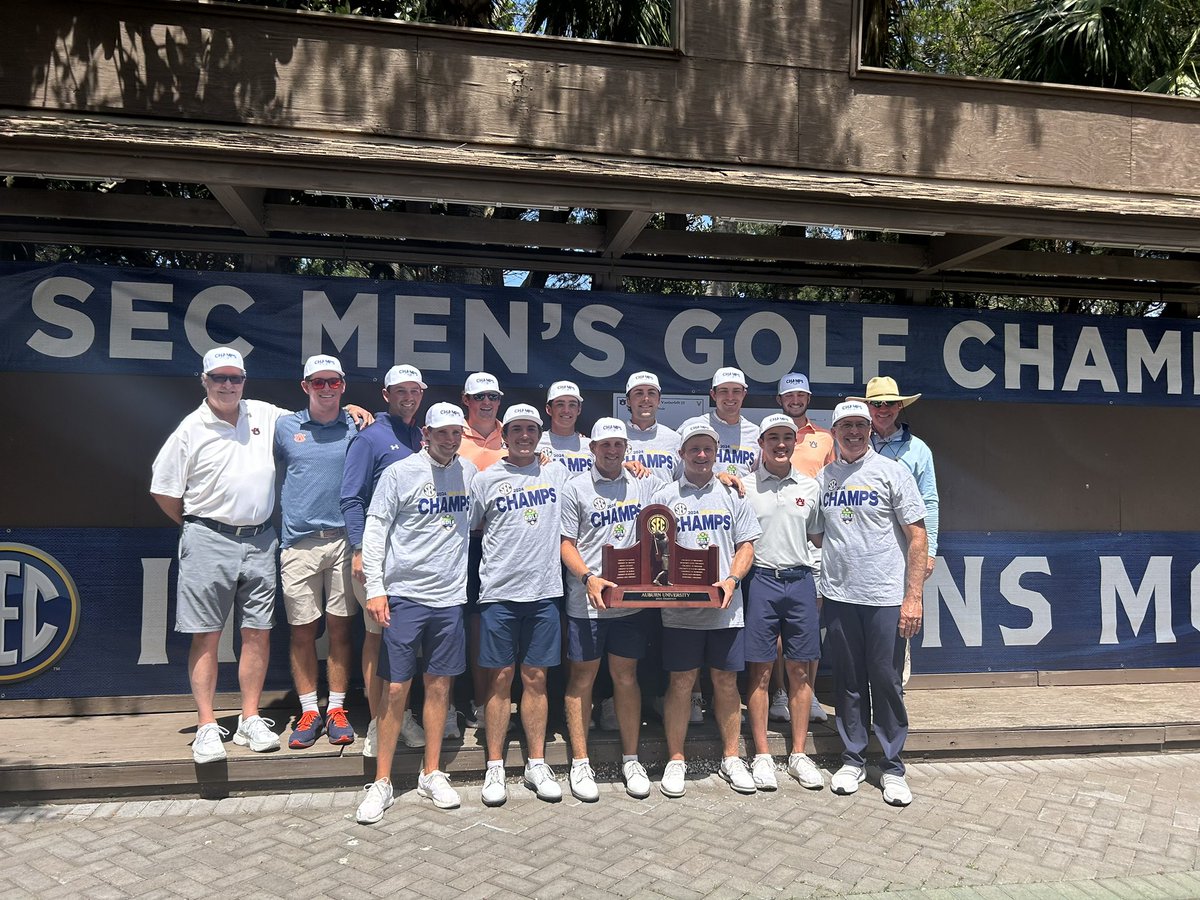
232, 379
884, 404
487, 396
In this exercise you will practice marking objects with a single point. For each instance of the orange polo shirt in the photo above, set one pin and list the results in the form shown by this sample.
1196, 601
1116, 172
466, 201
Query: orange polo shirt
814, 449
482, 451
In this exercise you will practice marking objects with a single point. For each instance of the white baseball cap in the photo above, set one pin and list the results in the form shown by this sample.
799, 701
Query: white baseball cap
729, 375
401, 374
480, 382
522, 412
793, 381
563, 389
608, 428
223, 356
692, 429
776, 420
442, 414
850, 409
319, 363
649, 379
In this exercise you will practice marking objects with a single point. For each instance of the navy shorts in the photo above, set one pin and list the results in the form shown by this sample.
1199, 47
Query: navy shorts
782, 607
529, 633
590, 639
436, 634
684, 649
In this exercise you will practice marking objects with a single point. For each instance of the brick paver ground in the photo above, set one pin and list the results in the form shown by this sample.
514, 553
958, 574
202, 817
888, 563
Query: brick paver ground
1116, 827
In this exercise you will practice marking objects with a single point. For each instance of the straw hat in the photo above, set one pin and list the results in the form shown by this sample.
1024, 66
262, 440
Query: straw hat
883, 388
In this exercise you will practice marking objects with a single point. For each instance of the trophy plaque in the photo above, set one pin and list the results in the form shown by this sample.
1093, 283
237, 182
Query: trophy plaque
656, 571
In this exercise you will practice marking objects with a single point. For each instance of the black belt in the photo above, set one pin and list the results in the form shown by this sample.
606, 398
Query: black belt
792, 573
235, 530
327, 533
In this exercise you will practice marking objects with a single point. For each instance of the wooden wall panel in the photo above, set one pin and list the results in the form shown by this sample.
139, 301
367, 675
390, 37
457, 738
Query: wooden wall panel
808, 33
1164, 151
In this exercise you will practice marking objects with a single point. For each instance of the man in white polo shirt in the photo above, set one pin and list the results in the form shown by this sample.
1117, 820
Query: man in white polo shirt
708, 513
781, 599
415, 560
601, 507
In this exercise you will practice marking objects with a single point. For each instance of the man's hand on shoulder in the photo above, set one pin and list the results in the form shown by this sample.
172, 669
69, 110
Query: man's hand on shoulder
362, 418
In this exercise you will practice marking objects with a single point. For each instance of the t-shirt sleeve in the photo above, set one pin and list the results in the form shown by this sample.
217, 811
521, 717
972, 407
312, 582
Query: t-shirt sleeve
383, 501
816, 522
570, 511
478, 498
745, 523
168, 474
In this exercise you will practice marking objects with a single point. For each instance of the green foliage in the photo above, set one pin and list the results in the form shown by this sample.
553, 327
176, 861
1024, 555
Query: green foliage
631, 21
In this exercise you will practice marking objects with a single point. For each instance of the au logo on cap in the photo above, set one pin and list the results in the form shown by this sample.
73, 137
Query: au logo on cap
39, 611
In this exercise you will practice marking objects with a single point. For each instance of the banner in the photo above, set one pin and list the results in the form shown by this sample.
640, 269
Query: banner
997, 603
91, 319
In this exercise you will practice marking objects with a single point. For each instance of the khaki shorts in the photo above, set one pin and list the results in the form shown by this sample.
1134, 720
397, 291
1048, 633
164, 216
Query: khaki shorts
360, 594
315, 575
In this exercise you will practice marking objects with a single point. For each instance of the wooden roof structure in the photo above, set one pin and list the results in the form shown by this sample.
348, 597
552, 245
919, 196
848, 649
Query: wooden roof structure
760, 112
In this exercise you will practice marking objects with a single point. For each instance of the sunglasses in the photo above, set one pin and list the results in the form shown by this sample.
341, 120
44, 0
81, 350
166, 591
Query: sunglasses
884, 404
231, 379
486, 396
325, 382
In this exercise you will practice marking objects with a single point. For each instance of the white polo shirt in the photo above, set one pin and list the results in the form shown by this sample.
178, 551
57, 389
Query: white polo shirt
785, 507
223, 472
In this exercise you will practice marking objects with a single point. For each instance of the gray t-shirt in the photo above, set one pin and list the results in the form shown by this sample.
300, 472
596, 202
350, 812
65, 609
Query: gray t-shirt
737, 444
656, 448
573, 451
415, 541
863, 507
598, 511
520, 512
708, 515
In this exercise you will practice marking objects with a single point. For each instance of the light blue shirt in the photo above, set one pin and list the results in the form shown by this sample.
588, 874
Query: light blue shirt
312, 456
914, 453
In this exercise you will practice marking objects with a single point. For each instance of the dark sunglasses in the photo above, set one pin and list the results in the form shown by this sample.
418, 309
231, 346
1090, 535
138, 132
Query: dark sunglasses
487, 396
884, 404
232, 379
325, 382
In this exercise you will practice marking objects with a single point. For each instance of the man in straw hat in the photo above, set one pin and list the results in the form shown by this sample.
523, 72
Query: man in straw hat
871, 525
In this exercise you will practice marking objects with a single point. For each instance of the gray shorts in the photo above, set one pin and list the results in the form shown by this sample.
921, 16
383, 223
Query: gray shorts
217, 569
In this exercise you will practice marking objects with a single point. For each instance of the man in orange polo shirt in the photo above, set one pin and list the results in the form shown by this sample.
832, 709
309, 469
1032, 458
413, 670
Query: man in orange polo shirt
814, 449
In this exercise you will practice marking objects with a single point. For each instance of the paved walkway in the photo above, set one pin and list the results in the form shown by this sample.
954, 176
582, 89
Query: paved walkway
1116, 826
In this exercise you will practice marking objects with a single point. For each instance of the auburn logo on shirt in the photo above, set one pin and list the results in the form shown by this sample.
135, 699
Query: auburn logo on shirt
299, 438
799, 501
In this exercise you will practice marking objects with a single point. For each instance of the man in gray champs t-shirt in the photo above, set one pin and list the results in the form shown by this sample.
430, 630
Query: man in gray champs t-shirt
651, 443
414, 557
601, 507
871, 528
707, 513
517, 503
562, 443
737, 436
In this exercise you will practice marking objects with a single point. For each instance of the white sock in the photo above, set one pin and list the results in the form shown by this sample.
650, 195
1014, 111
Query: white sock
308, 702
582, 761
728, 759
495, 764
337, 699
531, 762
625, 757
767, 756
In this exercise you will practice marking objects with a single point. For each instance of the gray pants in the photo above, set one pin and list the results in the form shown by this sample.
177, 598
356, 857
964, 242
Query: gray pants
216, 570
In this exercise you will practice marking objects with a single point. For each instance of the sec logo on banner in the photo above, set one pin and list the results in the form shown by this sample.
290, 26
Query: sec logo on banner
39, 611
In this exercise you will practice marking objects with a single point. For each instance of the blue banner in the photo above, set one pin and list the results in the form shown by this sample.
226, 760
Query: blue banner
997, 603
90, 319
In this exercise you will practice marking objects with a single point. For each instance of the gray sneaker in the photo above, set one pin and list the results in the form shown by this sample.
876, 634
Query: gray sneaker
207, 746
436, 787
371, 744
379, 798
411, 731
451, 729
255, 733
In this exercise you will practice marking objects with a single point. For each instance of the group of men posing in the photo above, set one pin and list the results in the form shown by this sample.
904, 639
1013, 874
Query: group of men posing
454, 538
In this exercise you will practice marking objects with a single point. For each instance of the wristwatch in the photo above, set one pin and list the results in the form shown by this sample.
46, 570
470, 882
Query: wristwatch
586, 575
735, 579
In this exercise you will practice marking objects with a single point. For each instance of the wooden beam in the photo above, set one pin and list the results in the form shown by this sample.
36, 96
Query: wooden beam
244, 205
750, 246
950, 251
621, 229
113, 207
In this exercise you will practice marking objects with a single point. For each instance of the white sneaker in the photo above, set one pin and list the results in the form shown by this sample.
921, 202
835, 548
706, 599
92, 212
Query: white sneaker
816, 713
674, 779
735, 772
255, 733
372, 740
207, 746
697, 714
895, 790
379, 797
762, 772
805, 771
494, 791
540, 778
583, 784
847, 779
608, 715
450, 731
411, 731
637, 782
436, 787
779, 711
